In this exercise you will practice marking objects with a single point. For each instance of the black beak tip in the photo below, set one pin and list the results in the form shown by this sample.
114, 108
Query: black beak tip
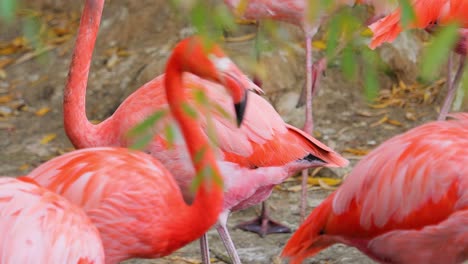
240, 109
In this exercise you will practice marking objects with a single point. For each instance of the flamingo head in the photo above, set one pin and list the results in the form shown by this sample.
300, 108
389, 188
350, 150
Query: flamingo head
311, 237
208, 61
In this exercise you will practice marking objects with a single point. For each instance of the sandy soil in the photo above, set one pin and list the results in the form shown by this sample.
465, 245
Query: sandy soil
133, 44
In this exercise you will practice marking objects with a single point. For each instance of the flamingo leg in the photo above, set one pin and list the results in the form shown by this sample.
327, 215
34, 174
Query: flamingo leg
263, 224
257, 50
308, 124
223, 232
452, 86
205, 249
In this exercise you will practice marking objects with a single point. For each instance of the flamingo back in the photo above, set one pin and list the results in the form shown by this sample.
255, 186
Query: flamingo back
405, 202
408, 172
131, 198
263, 140
388, 28
39, 226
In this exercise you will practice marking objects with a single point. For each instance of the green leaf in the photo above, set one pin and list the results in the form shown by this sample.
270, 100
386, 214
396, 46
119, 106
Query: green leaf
200, 154
221, 110
146, 124
371, 81
223, 18
333, 36
438, 50
371, 84
407, 13
200, 97
348, 62
170, 132
8, 10
206, 174
142, 142
189, 110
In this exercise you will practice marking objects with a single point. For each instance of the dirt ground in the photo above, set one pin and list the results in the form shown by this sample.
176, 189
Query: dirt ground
133, 45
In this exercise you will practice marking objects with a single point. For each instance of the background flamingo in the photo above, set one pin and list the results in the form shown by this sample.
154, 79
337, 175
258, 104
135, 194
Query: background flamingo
294, 12
132, 199
262, 153
39, 226
429, 14
399, 204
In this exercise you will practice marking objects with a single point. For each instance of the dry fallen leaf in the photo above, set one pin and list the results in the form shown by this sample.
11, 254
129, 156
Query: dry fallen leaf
5, 111
5, 99
328, 181
394, 122
410, 116
381, 121
48, 138
357, 152
317, 134
3, 74
24, 167
112, 61
42, 111
294, 188
325, 186
319, 44
4, 62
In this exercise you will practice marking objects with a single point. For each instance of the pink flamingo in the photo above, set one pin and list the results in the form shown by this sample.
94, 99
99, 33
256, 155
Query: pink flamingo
39, 226
262, 153
429, 14
399, 204
293, 12
132, 199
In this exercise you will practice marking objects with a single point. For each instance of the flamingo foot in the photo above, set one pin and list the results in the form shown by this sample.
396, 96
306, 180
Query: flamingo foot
263, 225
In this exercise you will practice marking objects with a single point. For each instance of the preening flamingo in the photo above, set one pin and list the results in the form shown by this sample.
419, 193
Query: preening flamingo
263, 152
132, 199
40, 227
405, 202
430, 14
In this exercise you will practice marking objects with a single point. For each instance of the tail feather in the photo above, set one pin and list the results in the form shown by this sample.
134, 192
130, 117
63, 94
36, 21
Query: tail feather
386, 29
319, 149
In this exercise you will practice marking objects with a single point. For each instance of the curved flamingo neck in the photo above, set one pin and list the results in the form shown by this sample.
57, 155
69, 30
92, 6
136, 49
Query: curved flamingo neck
209, 197
77, 126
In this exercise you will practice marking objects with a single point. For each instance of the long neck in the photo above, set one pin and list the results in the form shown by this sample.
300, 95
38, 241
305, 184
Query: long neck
77, 126
209, 197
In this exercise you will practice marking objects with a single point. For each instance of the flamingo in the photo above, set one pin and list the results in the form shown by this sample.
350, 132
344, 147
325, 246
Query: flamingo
293, 12
429, 14
399, 204
39, 226
132, 199
263, 152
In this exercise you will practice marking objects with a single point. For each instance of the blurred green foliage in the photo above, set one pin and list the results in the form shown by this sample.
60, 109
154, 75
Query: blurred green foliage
7, 10
437, 52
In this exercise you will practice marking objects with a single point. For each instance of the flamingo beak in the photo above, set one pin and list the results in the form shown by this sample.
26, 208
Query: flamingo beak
239, 94
240, 109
